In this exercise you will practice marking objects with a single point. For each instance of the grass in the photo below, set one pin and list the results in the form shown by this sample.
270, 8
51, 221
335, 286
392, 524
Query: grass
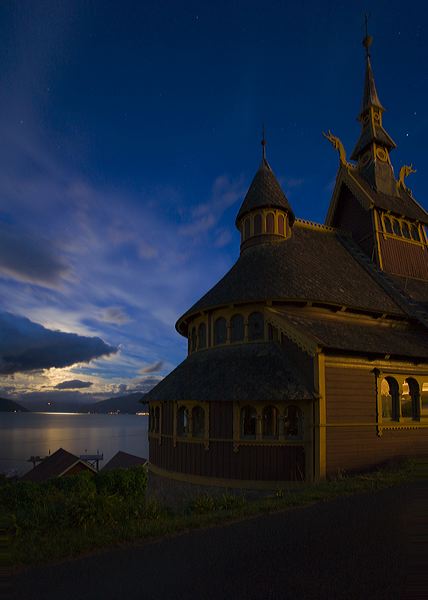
33, 536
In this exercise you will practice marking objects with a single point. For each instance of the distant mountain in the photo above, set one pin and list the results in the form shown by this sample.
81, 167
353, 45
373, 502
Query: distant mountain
124, 404
11, 406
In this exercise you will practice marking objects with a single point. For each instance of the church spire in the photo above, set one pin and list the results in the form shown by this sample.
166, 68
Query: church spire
374, 144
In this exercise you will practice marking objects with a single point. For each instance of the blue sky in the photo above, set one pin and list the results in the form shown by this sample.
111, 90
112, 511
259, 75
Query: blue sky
129, 134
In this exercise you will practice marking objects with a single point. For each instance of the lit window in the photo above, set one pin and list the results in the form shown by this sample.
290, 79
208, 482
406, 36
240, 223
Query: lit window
255, 326
424, 399
237, 328
198, 421
293, 422
270, 223
182, 421
220, 331
202, 336
389, 393
270, 422
248, 422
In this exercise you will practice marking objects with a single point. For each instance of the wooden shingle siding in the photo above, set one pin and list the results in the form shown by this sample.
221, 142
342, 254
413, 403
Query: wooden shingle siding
404, 258
351, 398
221, 419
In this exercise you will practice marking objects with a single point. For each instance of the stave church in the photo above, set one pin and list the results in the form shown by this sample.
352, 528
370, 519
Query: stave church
310, 356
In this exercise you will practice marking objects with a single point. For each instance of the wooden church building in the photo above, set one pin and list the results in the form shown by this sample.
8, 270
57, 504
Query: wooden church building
310, 356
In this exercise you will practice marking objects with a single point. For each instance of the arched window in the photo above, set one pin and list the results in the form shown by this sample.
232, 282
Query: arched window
415, 233
151, 419
247, 229
202, 336
182, 421
390, 395
270, 422
270, 223
410, 399
388, 226
255, 326
157, 420
293, 422
237, 328
281, 224
424, 398
258, 224
198, 421
405, 229
396, 227
220, 331
248, 422
193, 339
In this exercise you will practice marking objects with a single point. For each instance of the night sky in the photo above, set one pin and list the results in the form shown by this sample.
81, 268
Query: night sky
129, 134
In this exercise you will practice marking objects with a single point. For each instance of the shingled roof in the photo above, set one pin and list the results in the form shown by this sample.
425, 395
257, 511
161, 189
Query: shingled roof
265, 192
402, 204
56, 465
239, 372
124, 460
361, 337
313, 266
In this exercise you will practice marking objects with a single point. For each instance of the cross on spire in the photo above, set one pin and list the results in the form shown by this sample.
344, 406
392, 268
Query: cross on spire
368, 40
263, 143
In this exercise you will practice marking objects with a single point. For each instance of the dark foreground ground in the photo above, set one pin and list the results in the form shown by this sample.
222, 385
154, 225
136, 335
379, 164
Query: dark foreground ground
365, 546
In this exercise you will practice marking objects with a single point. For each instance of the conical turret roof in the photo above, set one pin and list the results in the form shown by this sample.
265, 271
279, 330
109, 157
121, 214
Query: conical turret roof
265, 192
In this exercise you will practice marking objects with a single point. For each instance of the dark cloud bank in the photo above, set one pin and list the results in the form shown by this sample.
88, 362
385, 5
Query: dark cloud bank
28, 346
73, 384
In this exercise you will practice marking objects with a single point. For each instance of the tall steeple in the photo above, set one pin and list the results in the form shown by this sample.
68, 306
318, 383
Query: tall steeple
374, 144
265, 214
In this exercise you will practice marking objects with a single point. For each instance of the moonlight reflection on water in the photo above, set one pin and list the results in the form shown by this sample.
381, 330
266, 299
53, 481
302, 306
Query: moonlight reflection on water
26, 434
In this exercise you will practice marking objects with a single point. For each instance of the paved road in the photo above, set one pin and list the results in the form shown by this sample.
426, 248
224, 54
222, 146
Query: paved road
361, 547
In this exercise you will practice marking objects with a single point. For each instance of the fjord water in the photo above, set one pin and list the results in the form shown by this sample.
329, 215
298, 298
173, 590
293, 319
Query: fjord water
30, 434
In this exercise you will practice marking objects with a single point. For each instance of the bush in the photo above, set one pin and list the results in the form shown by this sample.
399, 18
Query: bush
123, 482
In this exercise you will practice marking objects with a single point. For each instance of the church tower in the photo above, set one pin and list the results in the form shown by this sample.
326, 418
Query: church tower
265, 214
368, 201
371, 152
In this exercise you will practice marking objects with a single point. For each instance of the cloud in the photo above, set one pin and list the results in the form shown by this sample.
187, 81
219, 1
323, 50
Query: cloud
115, 315
73, 384
225, 192
151, 368
28, 346
28, 258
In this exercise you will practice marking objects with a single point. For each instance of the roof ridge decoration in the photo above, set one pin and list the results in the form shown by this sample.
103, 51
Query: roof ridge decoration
314, 225
337, 145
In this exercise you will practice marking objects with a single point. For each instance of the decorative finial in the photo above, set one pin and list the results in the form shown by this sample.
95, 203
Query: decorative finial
337, 145
263, 143
368, 40
405, 171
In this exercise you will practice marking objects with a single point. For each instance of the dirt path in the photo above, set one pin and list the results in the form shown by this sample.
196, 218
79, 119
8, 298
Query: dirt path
361, 547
